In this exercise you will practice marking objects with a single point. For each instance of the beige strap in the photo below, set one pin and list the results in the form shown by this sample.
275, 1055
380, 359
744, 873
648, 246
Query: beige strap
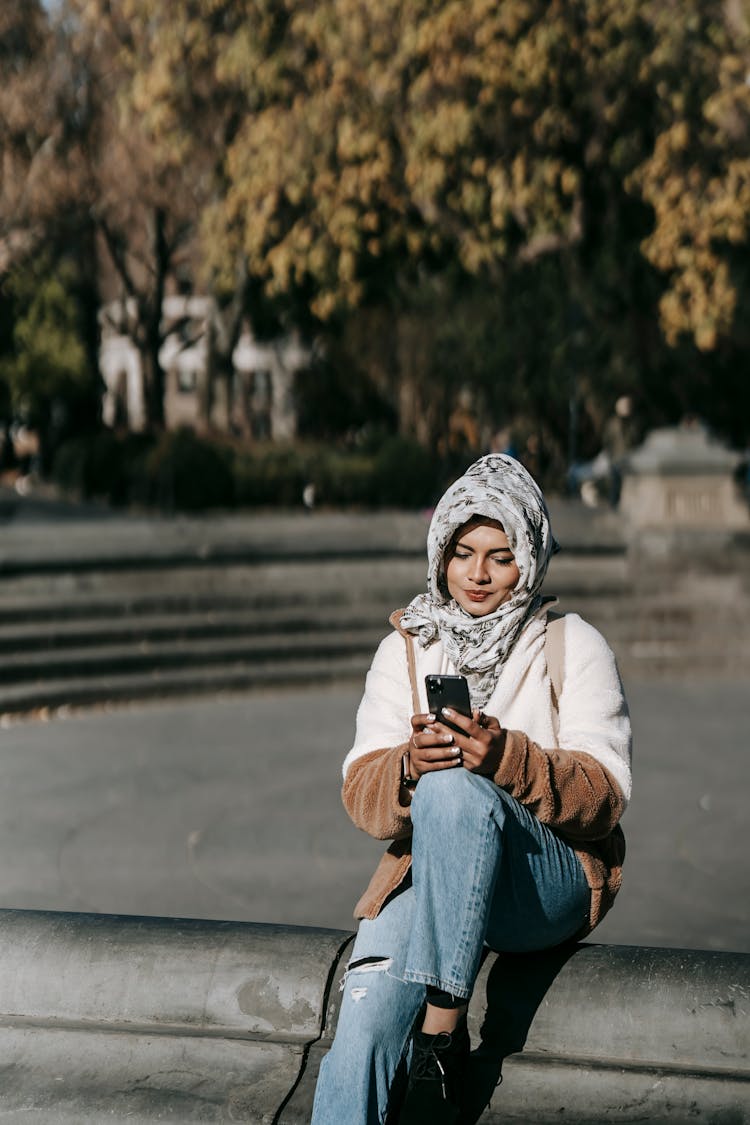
411, 661
554, 652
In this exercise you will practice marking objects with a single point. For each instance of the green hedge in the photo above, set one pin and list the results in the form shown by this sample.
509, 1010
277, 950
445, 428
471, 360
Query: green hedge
186, 474
105, 467
182, 472
405, 475
270, 475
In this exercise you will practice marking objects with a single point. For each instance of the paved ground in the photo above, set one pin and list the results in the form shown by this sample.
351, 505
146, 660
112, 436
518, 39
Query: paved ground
230, 808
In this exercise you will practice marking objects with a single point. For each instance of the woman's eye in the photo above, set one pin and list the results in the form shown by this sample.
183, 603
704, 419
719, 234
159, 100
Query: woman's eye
458, 555
504, 562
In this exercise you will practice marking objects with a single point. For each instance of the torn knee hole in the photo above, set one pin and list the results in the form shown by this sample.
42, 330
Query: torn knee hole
361, 967
375, 964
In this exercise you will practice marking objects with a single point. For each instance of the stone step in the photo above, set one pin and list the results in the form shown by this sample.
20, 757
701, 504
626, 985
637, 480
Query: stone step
607, 593
124, 631
93, 626
277, 582
127, 590
72, 663
186, 624
653, 660
64, 694
83, 607
236, 676
120, 676
641, 619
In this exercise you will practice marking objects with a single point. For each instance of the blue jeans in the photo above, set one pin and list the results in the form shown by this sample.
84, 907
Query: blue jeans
485, 871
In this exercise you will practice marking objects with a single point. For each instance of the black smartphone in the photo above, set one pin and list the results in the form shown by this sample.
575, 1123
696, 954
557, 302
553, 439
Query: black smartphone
448, 691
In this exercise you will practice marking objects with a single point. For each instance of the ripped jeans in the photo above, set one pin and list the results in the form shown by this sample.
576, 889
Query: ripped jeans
485, 871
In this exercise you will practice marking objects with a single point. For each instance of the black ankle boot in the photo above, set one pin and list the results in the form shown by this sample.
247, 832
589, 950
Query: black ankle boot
438, 1065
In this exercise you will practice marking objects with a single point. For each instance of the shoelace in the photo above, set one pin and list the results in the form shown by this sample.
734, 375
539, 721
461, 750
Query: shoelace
426, 1063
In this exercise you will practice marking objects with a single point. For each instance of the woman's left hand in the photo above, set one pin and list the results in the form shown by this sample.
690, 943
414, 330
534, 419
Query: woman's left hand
481, 741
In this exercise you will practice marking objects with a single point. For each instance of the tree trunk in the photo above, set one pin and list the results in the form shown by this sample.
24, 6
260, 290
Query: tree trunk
153, 378
150, 316
396, 349
147, 300
205, 388
419, 398
89, 411
224, 328
283, 406
219, 377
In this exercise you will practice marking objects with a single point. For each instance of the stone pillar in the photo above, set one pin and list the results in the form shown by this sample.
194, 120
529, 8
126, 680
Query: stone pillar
680, 495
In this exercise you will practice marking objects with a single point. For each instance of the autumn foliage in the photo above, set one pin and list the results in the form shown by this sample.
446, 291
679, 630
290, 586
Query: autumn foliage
545, 201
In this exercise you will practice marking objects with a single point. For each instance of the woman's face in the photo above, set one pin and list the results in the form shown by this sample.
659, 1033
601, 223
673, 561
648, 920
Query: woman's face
481, 572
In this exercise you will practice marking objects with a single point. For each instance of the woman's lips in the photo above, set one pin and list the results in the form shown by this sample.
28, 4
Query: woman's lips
477, 595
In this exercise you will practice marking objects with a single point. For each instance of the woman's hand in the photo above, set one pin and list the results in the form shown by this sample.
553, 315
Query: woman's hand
431, 746
434, 746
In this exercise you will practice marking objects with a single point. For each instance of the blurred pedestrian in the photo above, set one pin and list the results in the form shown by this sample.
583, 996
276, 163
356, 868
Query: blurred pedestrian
502, 441
532, 456
308, 496
618, 439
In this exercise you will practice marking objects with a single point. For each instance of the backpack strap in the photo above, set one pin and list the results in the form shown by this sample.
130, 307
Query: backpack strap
554, 652
412, 663
411, 660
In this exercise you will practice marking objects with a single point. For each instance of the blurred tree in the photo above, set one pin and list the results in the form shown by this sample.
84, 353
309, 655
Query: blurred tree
545, 200
142, 201
46, 371
697, 176
397, 154
189, 106
83, 178
29, 137
44, 218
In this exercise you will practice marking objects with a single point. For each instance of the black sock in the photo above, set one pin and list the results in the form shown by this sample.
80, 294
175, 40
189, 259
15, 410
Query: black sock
440, 999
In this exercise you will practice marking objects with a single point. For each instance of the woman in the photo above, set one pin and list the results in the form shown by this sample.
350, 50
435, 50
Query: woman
504, 835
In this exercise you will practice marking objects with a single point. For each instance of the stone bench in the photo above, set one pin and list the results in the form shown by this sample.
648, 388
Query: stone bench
128, 1019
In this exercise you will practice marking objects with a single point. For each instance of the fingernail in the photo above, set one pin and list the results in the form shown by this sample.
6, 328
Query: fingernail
430, 718
447, 737
447, 711
456, 751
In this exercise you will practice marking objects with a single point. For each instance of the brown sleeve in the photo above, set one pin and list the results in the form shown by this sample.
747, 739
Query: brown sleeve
371, 794
568, 790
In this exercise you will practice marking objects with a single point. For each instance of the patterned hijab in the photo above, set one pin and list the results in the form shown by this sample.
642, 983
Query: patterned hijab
498, 488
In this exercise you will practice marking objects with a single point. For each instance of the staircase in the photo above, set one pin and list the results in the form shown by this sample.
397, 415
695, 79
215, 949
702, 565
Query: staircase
92, 627
68, 640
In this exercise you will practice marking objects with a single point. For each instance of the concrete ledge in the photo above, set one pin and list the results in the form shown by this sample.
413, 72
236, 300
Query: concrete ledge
598, 1033
146, 1019
613, 1033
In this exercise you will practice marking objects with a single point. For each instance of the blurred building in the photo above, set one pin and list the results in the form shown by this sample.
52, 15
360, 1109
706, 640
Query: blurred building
256, 400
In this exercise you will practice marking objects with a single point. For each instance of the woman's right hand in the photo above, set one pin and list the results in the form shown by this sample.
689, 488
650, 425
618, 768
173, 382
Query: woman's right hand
430, 749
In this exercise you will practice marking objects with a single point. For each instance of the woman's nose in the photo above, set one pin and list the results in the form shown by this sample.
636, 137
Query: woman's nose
479, 572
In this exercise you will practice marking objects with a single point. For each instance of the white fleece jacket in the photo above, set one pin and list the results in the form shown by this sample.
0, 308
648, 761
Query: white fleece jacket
592, 713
